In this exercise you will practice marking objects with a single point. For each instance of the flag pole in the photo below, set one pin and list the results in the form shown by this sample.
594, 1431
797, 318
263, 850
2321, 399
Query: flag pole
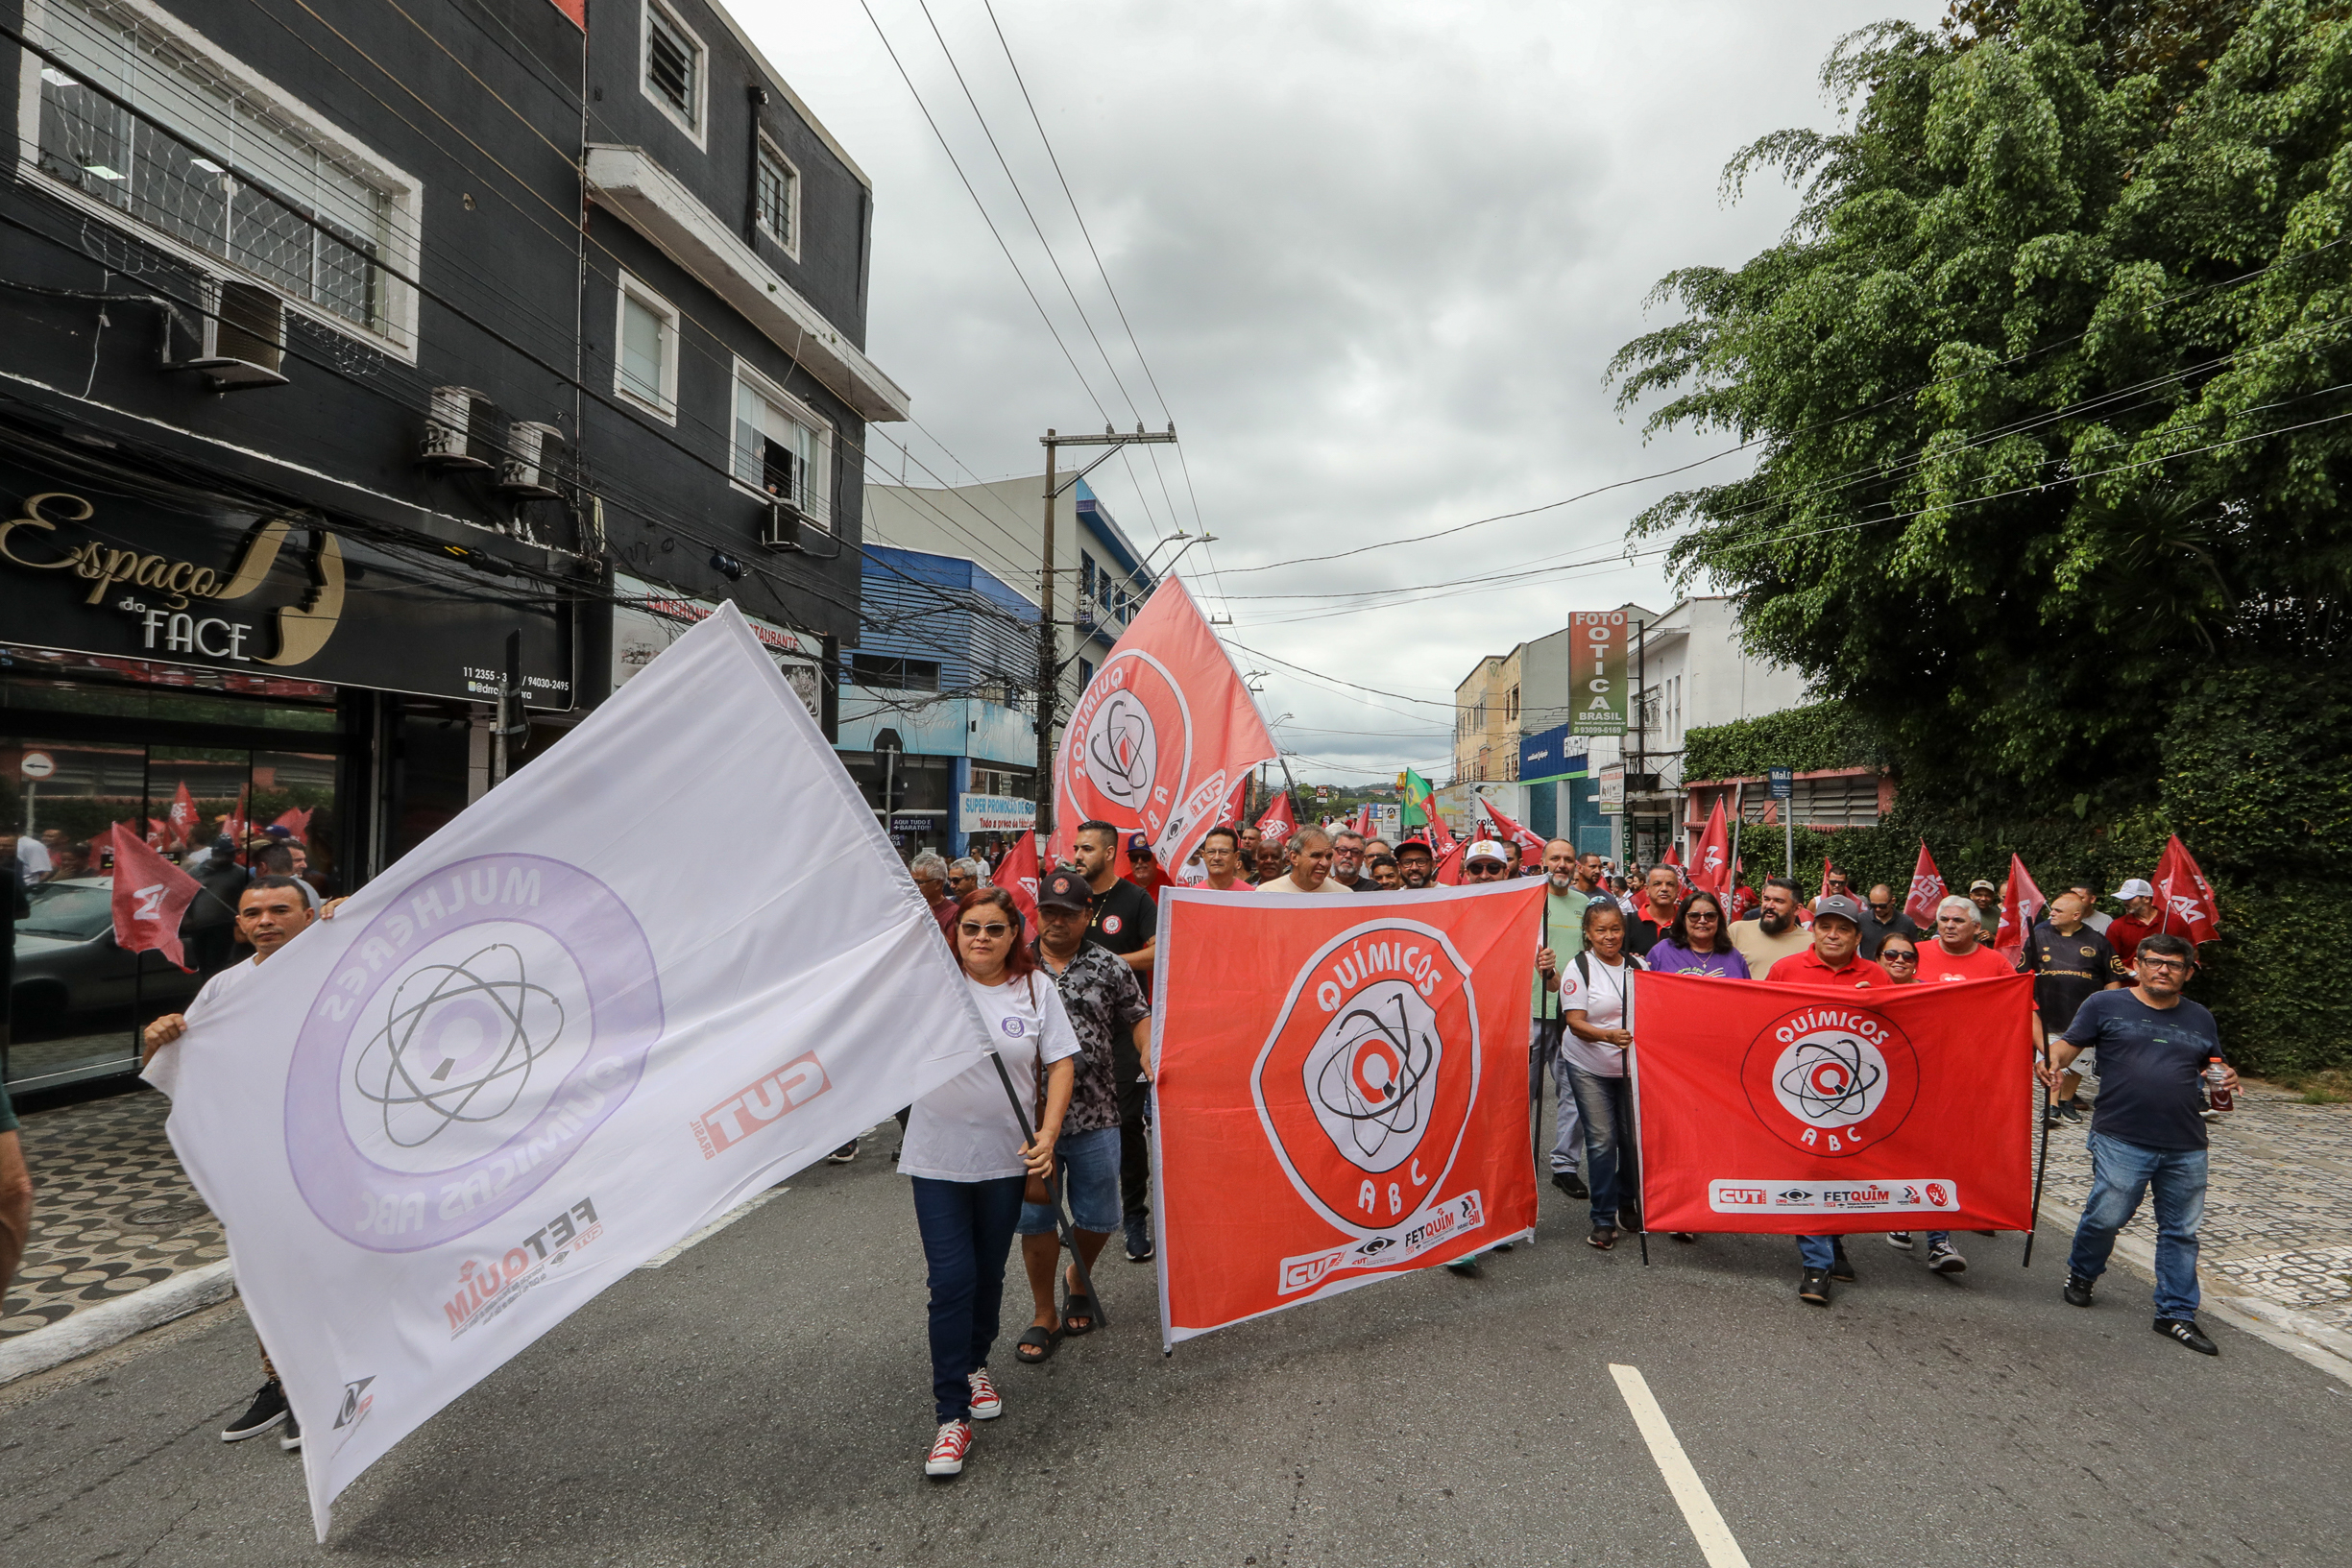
1061, 1221
2041, 1165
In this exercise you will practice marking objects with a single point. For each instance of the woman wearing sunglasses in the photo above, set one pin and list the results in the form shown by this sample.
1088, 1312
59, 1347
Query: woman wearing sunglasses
965, 1151
1698, 943
1899, 956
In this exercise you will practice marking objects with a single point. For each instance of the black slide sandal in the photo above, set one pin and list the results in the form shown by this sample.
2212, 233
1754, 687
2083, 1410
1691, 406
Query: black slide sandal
1077, 1306
1041, 1341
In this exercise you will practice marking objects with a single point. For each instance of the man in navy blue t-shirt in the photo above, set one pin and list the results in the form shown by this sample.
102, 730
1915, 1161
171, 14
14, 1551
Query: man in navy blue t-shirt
2146, 1131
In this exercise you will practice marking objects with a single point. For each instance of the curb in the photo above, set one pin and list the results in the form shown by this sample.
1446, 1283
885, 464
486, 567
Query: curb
111, 1322
2303, 1337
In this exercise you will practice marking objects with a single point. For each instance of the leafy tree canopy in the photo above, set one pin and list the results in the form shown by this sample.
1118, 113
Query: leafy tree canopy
2050, 382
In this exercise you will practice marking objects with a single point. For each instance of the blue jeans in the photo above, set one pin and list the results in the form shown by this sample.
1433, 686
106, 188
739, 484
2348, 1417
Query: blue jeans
1089, 1163
1568, 1147
967, 1231
1612, 1164
2120, 1173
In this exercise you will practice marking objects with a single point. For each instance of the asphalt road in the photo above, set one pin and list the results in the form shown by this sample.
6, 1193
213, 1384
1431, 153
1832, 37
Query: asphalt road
763, 1399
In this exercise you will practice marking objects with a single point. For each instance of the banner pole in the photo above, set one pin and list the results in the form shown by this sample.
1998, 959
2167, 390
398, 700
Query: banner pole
1061, 1221
2041, 1164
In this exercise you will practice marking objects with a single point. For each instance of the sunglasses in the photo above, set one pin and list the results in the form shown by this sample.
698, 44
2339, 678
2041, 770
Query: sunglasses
1697, 915
992, 930
1896, 955
1483, 868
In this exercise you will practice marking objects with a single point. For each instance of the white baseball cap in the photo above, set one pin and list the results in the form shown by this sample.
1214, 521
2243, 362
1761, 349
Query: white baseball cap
1486, 848
2136, 888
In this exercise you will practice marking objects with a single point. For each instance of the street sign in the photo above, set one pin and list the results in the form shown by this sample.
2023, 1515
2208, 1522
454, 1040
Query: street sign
1783, 782
1596, 671
37, 765
1611, 802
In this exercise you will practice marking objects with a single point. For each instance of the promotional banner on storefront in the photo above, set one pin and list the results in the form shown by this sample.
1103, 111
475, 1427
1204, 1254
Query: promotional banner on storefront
1811, 1111
530, 1055
1160, 734
1342, 1092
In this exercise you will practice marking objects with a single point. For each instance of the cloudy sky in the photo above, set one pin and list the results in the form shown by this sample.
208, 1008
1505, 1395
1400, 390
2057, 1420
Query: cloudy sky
1377, 256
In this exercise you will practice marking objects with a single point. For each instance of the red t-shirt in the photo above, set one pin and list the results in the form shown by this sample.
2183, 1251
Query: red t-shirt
1979, 963
2124, 934
1807, 969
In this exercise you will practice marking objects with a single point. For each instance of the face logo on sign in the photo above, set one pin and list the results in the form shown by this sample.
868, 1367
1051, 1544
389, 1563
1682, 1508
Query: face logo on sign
1830, 1081
1133, 758
1365, 1084
1112, 925
1014, 1027
476, 1031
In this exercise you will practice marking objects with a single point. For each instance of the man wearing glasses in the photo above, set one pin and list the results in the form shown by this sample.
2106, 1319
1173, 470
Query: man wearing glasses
1486, 862
1221, 857
1416, 864
2147, 1131
1886, 919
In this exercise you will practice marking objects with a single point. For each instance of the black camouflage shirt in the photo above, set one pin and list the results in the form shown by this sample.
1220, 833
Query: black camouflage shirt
1099, 994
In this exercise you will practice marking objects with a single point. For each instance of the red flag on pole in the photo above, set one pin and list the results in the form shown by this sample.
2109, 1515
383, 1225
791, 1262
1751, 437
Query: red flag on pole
1278, 823
1364, 821
1341, 1095
182, 816
1448, 873
150, 895
2183, 894
1159, 736
1714, 871
1827, 871
1782, 1108
1531, 846
1017, 874
2021, 905
1440, 836
1927, 889
296, 822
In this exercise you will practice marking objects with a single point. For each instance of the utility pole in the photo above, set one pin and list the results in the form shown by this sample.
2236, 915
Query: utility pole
1049, 643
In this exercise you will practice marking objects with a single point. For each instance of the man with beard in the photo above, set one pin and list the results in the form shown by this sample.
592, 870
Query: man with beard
1416, 865
1775, 934
1347, 859
1563, 938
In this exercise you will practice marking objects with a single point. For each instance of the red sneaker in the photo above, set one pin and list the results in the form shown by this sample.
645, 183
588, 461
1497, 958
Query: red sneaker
986, 1402
948, 1449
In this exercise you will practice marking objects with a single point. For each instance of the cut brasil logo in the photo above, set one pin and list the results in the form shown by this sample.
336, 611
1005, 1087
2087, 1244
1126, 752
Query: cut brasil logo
471, 1039
1365, 1082
1830, 1079
1132, 763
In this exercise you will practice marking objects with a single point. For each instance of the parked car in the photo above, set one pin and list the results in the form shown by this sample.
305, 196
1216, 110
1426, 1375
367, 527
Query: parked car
72, 978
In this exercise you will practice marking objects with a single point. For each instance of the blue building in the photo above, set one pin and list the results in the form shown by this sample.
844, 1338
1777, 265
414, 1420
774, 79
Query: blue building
938, 705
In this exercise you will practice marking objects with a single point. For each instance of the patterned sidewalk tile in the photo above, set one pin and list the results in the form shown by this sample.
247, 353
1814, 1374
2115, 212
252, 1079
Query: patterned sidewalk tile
112, 1211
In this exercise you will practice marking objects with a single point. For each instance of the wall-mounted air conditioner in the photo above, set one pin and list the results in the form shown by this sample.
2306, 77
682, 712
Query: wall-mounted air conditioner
459, 428
780, 527
537, 466
238, 346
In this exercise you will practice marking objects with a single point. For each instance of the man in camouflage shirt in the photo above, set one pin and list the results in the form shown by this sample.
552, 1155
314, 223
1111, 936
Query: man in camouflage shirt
1105, 1003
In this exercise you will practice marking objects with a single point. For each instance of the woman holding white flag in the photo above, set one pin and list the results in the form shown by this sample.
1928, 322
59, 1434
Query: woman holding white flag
965, 1152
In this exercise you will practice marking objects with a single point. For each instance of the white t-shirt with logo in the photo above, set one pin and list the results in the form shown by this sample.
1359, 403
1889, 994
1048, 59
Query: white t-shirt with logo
1599, 991
964, 1129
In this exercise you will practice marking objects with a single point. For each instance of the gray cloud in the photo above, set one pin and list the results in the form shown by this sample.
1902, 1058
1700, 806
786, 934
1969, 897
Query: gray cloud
1379, 254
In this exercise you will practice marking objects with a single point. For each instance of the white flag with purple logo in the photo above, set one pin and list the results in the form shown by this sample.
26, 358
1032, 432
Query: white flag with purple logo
534, 1052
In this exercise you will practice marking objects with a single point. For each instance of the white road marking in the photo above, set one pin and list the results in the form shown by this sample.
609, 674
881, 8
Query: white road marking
667, 1254
1689, 1492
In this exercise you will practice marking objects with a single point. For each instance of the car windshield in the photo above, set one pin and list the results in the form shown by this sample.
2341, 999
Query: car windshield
74, 911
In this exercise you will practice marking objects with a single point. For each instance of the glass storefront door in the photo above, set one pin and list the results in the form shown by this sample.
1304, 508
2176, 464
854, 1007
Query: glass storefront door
75, 1001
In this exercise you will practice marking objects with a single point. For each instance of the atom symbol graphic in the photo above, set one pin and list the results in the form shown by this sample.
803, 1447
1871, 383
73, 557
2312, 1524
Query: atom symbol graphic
457, 1046
1830, 1079
1120, 748
1372, 1085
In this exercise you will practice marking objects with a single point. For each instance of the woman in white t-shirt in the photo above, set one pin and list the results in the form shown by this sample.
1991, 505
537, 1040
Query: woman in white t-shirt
963, 1148
1594, 990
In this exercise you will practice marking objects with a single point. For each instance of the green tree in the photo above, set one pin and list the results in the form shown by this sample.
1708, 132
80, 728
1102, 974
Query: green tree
2051, 383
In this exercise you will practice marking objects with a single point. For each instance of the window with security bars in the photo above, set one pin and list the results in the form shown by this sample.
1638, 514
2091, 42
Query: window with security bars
779, 451
775, 194
211, 199
673, 64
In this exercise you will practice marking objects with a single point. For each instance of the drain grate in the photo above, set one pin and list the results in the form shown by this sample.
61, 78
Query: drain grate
167, 1216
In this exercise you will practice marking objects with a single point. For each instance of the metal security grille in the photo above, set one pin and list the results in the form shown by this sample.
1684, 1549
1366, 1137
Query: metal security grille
669, 61
108, 153
775, 196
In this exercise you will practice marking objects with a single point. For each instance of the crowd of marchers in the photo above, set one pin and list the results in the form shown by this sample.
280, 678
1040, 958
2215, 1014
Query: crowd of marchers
1073, 1002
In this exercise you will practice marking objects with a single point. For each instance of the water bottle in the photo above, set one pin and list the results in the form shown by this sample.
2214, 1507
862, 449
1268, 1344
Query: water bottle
2217, 1085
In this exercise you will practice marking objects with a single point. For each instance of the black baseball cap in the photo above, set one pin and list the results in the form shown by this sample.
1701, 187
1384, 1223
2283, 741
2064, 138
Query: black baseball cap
1064, 890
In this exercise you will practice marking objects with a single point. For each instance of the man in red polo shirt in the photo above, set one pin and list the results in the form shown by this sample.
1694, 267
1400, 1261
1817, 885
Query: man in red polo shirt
2138, 919
1834, 960
1959, 951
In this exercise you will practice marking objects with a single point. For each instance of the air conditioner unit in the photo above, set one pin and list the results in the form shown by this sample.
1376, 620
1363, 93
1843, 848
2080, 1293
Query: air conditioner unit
537, 466
780, 527
239, 345
458, 430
